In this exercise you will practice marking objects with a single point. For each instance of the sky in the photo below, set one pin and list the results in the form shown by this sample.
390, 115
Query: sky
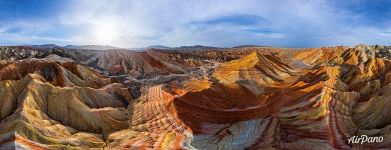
222, 23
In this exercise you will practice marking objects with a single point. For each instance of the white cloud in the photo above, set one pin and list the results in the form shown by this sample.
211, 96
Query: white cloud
171, 22
16, 39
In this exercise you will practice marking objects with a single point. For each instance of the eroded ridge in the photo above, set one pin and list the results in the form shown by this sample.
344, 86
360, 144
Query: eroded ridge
262, 102
157, 126
52, 105
294, 99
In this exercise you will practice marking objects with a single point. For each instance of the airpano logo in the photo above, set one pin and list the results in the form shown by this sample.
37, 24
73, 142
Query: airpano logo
365, 139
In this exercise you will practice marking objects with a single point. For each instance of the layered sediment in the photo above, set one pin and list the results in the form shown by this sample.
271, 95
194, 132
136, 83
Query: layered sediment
293, 99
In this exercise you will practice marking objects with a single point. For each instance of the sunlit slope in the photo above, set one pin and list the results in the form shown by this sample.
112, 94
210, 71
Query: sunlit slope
58, 105
261, 101
305, 99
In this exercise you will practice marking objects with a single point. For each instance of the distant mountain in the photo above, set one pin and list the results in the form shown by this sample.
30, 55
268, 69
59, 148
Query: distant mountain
86, 47
43, 46
195, 47
247, 46
158, 47
108, 47
90, 47
150, 47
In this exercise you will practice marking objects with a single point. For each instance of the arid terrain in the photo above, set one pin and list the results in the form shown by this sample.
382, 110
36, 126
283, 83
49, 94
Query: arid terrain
195, 98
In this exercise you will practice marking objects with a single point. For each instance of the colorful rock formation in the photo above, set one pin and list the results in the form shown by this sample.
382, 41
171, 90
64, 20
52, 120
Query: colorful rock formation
293, 99
46, 104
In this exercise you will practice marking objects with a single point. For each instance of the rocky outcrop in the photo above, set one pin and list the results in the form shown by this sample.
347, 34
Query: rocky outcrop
48, 104
139, 64
20, 52
263, 102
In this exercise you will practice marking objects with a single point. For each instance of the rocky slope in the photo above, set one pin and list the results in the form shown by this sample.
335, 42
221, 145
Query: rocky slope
47, 104
242, 98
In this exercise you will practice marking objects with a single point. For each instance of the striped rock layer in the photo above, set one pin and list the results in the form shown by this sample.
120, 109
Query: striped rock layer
307, 99
263, 102
54, 105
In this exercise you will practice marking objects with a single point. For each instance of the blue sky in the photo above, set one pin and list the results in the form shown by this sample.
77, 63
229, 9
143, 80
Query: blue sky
135, 23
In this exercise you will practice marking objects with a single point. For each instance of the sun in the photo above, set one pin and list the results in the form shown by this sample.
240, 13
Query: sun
105, 33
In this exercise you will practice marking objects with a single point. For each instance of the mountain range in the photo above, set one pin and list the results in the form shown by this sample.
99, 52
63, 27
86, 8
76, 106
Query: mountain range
107, 47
